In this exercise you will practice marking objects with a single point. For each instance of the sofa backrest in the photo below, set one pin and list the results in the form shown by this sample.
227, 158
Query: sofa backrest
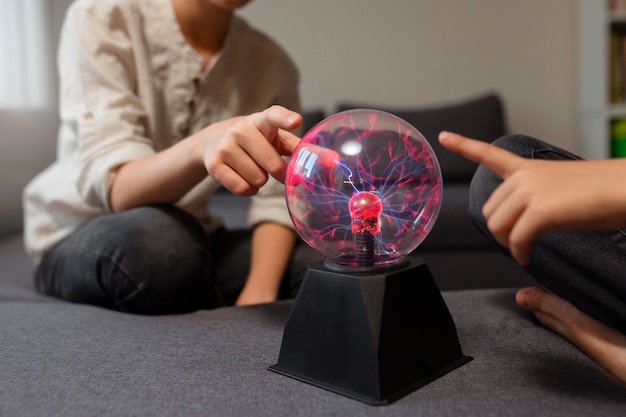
479, 118
27, 146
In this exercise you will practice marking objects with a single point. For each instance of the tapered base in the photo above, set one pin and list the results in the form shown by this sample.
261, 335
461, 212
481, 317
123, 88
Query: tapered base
374, 336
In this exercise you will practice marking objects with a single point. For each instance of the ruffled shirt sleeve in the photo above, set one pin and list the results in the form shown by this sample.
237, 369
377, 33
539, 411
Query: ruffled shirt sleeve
99, 63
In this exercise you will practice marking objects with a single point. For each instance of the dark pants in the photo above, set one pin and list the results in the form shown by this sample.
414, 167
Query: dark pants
156, 260
587, 268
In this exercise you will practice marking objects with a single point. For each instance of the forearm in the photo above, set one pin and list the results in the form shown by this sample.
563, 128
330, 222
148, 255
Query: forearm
162, 178
239, 152
272, 245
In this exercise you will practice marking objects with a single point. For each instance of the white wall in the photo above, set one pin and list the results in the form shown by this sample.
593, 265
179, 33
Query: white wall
422, 52
56, 13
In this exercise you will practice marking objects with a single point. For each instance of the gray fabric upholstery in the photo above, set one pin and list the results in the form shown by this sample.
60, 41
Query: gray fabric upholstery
454, 227
70, 360
16, 272
28, 139
311, 118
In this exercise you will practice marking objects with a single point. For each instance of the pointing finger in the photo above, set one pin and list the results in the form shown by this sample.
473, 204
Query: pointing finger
278, 142
497, 160
269, 122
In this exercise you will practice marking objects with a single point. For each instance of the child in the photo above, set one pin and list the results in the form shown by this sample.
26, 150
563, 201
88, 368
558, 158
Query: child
153, 98
561, 218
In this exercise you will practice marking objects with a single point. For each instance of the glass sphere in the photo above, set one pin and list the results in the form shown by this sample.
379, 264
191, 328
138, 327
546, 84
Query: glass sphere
363, 188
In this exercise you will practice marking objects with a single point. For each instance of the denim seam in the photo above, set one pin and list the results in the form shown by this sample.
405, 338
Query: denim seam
116, 265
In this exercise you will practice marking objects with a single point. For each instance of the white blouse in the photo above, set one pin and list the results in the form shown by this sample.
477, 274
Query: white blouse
131, 86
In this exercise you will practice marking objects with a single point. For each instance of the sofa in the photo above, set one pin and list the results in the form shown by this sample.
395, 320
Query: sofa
64, 359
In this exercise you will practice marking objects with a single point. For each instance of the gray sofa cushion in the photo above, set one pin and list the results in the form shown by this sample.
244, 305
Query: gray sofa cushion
454, 228
480, 118
28, 140
70, 360
310, 118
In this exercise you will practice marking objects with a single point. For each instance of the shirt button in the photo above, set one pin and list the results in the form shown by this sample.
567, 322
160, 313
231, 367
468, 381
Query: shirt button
184, 129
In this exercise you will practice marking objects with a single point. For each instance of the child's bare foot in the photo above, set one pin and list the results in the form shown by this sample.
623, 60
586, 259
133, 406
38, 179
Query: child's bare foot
601, 343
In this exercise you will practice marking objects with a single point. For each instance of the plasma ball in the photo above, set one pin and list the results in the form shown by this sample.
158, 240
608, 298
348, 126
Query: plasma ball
363, 188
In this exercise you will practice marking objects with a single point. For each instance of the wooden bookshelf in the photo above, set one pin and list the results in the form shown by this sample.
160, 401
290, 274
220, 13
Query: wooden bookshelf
602, 77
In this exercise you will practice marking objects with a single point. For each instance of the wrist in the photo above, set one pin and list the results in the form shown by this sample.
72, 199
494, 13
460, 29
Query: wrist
251, 295
196, 151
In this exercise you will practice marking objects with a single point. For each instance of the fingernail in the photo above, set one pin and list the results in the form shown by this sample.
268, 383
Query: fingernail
444, 136
292, 118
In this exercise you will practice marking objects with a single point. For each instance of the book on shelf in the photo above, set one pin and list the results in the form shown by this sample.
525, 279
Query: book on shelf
617, 70
617, 67
618, 138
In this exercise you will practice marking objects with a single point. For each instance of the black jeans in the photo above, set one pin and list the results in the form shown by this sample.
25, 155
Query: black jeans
156, 260
587, 268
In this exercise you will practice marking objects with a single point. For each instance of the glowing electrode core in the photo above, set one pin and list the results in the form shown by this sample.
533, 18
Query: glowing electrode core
365, 210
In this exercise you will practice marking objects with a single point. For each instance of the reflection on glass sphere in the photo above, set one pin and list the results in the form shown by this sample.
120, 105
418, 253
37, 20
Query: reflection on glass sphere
363, 188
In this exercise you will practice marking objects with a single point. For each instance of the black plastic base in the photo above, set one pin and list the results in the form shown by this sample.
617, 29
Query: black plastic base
373, 336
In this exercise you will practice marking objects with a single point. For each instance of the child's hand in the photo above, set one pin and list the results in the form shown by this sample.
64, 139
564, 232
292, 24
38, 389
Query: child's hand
539, 195
241, 152
601, 343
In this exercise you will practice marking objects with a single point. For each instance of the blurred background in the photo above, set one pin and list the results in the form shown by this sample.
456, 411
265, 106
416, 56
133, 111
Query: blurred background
392, 53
